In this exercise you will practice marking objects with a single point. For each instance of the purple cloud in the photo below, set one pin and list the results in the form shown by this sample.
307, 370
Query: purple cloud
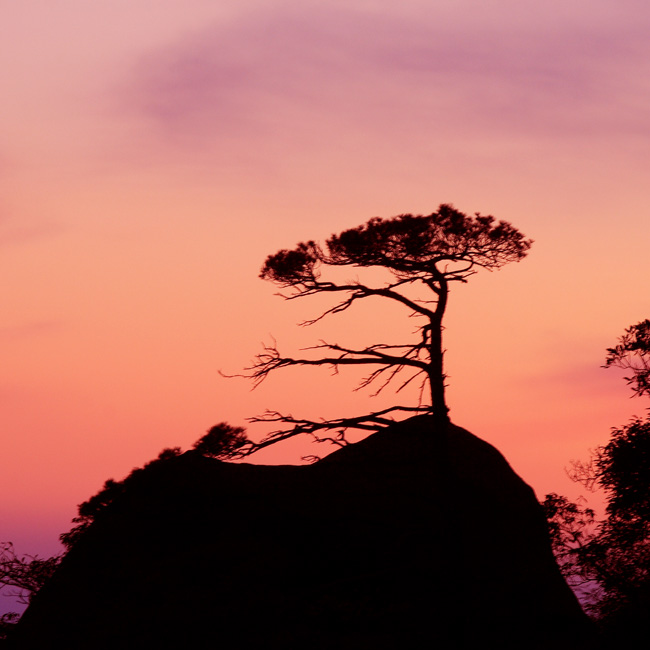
376, 70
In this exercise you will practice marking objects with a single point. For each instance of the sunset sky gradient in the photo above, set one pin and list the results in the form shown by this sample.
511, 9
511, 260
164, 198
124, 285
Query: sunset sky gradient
153, 153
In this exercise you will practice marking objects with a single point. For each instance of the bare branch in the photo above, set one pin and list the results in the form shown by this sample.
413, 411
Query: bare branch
25, 574
359, 291
392, 373
270, 359
370, 422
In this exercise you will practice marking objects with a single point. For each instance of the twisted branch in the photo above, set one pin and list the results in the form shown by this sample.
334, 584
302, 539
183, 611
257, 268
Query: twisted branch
370, 422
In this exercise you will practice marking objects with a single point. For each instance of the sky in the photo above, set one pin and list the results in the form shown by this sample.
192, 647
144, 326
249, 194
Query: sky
152, 154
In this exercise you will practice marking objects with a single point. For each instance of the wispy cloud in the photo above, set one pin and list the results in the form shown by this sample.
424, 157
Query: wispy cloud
14, 232
583, 379
380, 69
28, 330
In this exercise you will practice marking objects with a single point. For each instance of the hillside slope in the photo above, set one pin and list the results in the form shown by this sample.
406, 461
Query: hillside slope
412, 538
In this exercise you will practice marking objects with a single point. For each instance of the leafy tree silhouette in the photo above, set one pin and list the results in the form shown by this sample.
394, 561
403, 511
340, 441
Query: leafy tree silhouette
613, 555
419, 252
90, 510
23, 576
633, 353
222, 441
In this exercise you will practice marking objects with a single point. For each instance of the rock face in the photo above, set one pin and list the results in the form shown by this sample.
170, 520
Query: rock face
412, 538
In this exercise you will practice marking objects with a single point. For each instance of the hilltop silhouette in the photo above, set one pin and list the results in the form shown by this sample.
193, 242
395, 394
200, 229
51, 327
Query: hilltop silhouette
403, 540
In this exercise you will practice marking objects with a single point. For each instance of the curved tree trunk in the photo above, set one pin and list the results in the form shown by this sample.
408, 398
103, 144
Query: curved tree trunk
437, 374
436, 353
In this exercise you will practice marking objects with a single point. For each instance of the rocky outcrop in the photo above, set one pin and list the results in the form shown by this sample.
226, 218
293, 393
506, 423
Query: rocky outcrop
412, 538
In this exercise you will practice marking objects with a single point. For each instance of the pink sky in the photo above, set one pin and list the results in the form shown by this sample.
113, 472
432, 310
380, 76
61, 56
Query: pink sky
153, 153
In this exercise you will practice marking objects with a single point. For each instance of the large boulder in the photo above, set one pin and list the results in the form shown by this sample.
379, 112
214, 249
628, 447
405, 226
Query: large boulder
416, 537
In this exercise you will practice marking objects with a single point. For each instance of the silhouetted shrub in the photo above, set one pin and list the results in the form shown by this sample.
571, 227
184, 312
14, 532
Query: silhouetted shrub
91, 509
613, 556
222, 441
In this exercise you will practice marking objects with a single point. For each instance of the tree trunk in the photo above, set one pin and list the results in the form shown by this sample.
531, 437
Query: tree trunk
436, 366
437, 374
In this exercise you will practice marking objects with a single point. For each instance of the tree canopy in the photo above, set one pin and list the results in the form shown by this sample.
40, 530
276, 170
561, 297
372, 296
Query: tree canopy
415, 248
632, 352
613, 554
423, 255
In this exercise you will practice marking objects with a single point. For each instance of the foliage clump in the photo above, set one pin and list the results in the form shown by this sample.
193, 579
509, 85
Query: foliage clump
24, 575
222, 441
609, 560
633, 353
413, 247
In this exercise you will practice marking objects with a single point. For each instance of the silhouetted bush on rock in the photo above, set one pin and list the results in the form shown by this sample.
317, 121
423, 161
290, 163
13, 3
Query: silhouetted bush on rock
412, 538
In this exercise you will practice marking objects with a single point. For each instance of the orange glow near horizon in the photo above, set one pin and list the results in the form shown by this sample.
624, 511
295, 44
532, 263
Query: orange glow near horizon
154, 155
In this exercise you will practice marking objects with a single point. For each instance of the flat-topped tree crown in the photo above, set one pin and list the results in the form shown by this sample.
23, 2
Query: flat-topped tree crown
431, 251
408, 245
